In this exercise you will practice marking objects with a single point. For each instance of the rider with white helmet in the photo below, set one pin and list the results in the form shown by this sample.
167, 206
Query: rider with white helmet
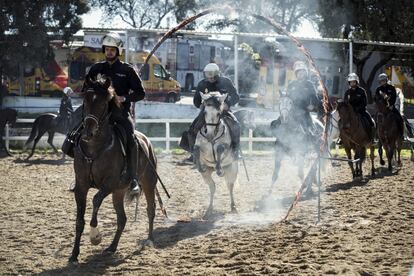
389, 90
356, 96
214, 82
303, 94
129, 89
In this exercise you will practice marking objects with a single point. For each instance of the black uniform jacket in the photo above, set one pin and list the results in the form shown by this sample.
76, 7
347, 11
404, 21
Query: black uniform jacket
223, 85
125, 80
357, 98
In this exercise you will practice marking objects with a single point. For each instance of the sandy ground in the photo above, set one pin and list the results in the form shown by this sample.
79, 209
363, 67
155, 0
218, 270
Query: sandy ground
367, 228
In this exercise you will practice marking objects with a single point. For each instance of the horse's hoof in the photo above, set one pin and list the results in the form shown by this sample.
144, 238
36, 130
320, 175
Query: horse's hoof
382, 162
109, 251
146, 243
208, 214
95, 236
234, 210
73, 261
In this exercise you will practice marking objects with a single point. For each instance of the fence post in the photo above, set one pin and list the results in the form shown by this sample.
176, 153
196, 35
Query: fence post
7, 136
250, 141
167, 135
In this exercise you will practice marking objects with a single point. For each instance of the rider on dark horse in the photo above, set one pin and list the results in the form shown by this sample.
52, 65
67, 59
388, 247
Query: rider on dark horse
357, 98
304, 97
214, 82
65, 109
386, 89
129, 89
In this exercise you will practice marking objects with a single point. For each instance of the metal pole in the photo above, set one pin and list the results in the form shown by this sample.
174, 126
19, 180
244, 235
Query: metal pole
319, 189
236, 58
7, 136
351, 52
167, 136
126, 46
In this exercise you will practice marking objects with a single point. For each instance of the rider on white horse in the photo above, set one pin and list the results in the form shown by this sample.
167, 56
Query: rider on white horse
214, 82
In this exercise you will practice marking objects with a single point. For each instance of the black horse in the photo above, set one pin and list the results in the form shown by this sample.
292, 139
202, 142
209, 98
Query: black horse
52, 123
7, 116
99, 160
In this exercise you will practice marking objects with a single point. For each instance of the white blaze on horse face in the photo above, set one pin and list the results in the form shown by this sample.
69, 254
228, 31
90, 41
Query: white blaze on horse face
285, 107
211, 115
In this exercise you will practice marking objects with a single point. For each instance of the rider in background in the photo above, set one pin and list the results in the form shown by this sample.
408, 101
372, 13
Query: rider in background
388, 90
214, 82
399, 105
129, 89
304, 96
356, 96
66, 108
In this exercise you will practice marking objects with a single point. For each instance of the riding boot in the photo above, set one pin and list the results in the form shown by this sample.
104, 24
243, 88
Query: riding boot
132, 165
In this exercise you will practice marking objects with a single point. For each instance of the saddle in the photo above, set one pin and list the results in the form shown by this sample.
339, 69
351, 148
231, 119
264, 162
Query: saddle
72, 139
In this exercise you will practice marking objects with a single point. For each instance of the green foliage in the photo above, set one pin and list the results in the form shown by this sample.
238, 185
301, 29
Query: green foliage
27, 26
370, 20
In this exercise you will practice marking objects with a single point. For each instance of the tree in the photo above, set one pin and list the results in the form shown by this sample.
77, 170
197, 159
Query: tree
26, 28
136, 13
370, 20
289, 13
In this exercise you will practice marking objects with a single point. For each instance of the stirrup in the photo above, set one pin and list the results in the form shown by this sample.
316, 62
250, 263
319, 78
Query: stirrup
134, 187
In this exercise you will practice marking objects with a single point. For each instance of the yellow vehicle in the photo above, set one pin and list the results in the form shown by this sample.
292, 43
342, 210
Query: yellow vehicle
40, 81
400, 77
272, 79
158, 84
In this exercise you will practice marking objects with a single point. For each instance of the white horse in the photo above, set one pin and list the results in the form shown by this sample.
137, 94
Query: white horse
212, 149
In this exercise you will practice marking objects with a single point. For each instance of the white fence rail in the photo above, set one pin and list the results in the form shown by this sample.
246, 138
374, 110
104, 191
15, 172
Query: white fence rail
168, 139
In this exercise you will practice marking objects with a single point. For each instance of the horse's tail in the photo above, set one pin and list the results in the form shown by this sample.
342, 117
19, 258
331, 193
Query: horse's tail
33, 132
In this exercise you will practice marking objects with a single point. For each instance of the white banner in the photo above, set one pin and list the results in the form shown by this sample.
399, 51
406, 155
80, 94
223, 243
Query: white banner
94, 40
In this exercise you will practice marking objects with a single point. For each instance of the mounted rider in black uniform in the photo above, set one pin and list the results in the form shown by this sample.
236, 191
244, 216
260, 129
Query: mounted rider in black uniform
65, 109
214, 82
129, 89
303, 94
356, 96
386, 89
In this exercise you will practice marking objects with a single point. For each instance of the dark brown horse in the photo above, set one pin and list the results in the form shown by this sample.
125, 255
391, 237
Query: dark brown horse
390, 131
355, 138
52, 123
7, 116
99, 162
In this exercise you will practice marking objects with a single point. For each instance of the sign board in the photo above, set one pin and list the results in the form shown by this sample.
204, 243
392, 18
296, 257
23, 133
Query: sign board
94, 39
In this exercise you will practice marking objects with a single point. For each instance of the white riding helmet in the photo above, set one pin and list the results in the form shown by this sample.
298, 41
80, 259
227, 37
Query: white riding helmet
382, 77
211, 70
300, 65
67, 91
112, 40
353, 77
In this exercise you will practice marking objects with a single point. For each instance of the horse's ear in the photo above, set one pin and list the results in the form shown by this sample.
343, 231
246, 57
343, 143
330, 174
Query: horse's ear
204, 96
222, 98
107, 83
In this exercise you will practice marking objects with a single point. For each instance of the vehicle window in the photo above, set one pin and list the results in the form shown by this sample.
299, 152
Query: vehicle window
28, 71
143, 70
159, 72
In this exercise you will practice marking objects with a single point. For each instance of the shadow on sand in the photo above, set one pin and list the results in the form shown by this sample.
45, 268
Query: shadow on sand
41, 161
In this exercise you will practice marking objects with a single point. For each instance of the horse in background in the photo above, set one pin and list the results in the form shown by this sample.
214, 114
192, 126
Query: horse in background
52, 123
390, 131
212, 149
7, 116
355, 137
99, 160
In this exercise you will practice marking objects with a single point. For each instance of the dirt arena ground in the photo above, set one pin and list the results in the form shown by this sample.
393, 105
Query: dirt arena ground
367, 228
